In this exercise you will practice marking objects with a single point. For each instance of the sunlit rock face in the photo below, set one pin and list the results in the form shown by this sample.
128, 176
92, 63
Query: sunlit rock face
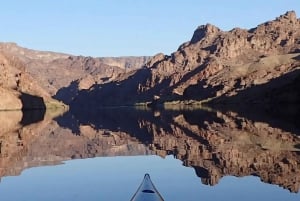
58, 70
10, 120
19, 90
214, 64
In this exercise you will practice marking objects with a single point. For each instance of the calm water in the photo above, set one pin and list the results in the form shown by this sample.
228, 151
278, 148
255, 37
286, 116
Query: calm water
190, 155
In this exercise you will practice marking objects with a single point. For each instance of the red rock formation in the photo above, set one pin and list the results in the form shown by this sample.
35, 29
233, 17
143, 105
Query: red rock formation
18, 89
212, 64
214, 58
56, 70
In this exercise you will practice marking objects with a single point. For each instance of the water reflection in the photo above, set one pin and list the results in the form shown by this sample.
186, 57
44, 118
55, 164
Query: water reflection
215, 144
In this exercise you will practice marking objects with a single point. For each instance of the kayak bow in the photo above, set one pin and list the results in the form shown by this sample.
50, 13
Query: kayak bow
147, 191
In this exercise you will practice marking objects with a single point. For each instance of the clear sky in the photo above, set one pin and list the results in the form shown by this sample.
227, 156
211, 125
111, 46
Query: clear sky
126, 27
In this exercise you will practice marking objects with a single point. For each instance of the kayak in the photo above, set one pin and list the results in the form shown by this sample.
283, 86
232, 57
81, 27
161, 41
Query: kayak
147, 191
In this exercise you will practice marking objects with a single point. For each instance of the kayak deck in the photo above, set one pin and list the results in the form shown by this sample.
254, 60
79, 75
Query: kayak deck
147, 191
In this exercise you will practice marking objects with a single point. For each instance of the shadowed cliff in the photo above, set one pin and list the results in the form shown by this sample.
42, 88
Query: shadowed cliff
276, 102
32, 102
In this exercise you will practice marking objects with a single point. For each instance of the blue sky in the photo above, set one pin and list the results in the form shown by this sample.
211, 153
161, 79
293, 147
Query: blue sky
126, 27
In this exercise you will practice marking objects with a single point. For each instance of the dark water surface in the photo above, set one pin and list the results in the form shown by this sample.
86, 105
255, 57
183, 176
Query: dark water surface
191, 154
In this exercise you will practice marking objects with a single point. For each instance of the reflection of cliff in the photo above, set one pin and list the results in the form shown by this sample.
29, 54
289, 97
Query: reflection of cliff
213, 143
235, 146
45, 143
11, 138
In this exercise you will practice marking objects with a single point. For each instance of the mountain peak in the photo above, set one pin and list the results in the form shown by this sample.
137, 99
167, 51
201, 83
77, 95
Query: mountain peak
204, 31
289, 15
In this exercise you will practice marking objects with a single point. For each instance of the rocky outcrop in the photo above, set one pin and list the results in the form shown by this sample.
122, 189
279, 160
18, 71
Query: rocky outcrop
214, 63
18, 89
128, 63
217, 63
56, 70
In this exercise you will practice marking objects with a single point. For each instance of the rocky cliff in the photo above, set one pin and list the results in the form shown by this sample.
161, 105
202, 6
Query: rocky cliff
213, 65
56, 70
19, 90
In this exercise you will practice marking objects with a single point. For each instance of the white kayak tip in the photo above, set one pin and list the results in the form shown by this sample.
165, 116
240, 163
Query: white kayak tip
147, 191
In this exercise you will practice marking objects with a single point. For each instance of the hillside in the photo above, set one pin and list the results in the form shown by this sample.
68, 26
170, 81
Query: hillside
213, 66
19, 90
56, 70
